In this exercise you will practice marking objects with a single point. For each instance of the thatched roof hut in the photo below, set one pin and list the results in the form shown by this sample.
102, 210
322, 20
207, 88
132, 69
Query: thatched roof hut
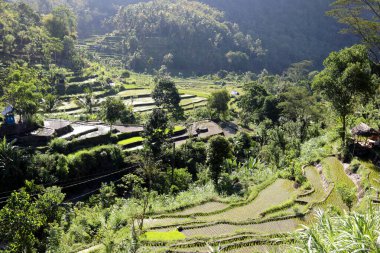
364, 130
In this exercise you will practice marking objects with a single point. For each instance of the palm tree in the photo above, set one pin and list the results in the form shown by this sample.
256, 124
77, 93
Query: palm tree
11, 159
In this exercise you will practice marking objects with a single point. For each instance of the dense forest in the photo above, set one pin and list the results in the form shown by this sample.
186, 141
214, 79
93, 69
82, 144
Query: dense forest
189, 126
289, 31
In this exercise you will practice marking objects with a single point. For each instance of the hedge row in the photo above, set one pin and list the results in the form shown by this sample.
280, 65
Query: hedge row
98, 159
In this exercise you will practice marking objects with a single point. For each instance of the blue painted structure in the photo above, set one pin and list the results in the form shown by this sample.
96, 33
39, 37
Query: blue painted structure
10, 119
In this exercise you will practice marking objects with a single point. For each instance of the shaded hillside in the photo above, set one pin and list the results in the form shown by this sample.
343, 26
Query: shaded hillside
291, 30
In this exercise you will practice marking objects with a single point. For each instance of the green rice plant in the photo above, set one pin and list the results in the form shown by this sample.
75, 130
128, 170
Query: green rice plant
174, 235
130, 141
276, 208
334, 172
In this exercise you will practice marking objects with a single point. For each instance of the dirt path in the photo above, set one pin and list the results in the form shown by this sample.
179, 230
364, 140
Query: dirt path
325, 182
92, 249
357, 179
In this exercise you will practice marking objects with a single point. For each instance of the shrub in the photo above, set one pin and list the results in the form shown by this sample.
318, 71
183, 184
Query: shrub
49, 168
58, 146
85, 162
348, 195
229, 185
354, 166
125, 74
181, 180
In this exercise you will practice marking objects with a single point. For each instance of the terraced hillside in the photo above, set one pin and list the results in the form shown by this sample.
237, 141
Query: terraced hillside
263, 222
135, 91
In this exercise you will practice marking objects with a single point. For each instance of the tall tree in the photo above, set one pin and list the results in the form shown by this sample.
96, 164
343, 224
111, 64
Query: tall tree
61, 22
346, 81
156, 132
22, 89
218, 101
112, 110
363, 19
166, 95
218, 149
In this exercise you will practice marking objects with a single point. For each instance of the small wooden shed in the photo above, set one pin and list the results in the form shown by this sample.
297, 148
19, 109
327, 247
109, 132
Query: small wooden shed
364, 132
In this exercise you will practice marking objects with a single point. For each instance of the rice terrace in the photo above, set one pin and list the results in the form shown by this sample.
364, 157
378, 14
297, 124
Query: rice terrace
184, 126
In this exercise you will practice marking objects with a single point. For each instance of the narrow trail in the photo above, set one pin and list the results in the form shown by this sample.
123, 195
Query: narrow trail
92, 249
356, 179
325, 182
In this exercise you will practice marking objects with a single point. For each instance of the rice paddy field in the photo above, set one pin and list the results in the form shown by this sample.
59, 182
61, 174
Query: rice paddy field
263, 223
135, 91
236, 226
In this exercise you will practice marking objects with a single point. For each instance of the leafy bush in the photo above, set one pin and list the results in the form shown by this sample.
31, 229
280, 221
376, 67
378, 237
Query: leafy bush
347, 194
228, 185
354, 166
109, 157
49, 168
58, 145
181, 180
125, 74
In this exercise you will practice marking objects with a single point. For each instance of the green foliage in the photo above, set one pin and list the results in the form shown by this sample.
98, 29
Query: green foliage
257, 104
155, 131
346, 233
362, 19
13, 164
22, 90
218, 149
218, 101
166, 96
190, 154
346, 81
181, 180
102, 158
58, 145
50, 102
203, 35
107, 195
25, 37
229, 185
48, 168
88, 102
112, 110
347, 194
128, 116
24, 217
61, 22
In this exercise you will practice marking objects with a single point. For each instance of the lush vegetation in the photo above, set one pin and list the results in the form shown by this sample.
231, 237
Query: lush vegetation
104, 158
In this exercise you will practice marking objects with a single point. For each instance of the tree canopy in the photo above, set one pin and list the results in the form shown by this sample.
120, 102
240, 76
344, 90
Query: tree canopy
346, 81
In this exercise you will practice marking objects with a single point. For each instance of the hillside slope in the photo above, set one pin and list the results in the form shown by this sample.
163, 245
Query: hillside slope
289, 29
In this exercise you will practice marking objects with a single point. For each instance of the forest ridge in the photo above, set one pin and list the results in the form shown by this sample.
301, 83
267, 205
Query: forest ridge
289, 32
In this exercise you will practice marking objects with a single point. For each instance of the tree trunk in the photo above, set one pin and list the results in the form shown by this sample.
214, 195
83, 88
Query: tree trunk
344, 125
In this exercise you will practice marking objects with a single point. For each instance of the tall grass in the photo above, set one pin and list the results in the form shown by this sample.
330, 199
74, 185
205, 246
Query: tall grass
347, 233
